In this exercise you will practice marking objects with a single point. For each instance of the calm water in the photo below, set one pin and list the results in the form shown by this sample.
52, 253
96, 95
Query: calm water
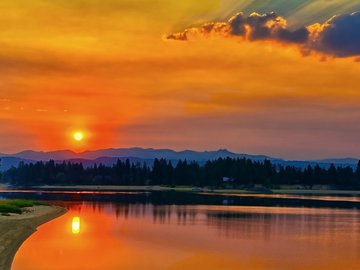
145, 231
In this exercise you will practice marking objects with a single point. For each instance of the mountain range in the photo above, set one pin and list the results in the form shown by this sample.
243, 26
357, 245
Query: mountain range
147, 155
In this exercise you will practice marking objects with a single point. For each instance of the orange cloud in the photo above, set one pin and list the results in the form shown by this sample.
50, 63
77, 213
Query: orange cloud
339, 36
109, 73
253, 27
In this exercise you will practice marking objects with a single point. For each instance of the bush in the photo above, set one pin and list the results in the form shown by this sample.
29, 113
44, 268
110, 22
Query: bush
15, 206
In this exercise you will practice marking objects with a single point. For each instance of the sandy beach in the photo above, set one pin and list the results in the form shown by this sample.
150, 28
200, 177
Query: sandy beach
15, 229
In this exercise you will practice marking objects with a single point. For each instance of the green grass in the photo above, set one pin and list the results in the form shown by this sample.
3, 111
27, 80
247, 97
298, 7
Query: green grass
16, 206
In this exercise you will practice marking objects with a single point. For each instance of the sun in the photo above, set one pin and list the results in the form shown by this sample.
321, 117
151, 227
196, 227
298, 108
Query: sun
78, 136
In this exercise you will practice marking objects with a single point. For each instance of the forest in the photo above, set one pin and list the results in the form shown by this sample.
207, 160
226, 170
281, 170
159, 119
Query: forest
222, 172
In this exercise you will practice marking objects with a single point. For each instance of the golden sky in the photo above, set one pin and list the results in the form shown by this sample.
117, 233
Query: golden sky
106, 68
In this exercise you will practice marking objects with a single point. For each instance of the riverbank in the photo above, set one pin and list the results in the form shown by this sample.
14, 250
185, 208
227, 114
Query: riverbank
105, 188
16, 228
296, 190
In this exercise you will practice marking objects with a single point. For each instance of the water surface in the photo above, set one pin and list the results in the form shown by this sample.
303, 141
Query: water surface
140, 234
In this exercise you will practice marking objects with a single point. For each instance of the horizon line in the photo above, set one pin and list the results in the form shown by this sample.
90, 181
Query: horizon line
176, 151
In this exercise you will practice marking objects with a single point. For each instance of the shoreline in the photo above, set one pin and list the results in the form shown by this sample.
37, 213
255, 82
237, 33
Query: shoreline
18, 228
100, 188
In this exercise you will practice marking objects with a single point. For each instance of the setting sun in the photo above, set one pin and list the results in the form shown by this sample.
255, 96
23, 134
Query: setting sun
78, 136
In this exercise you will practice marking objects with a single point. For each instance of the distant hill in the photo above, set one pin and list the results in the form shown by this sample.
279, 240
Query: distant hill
108, 161
142, 153
8, 162
322, 163
340, 161
147, 155
39, 155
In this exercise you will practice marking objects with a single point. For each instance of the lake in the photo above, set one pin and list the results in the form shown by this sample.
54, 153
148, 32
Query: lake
157, 230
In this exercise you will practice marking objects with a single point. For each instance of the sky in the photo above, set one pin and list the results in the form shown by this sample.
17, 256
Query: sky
277, 77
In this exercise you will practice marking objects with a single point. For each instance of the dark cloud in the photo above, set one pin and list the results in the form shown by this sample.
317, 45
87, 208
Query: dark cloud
300, 35
339, 36
253, 27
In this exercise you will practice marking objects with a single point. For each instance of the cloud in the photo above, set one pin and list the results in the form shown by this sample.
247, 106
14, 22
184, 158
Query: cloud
339, 36
253, 27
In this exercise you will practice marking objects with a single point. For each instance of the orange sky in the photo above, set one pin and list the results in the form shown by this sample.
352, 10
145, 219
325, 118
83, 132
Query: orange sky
104, 67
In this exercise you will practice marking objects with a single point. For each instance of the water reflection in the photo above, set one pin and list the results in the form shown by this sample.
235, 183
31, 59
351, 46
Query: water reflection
75, 225
115, 236
235, 221
184, 198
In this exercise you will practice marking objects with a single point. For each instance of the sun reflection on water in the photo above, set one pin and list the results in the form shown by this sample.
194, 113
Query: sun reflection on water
193, 237
75, 225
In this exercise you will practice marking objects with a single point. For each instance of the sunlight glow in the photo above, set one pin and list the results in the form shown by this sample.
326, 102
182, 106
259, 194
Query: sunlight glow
75, 225
78, 136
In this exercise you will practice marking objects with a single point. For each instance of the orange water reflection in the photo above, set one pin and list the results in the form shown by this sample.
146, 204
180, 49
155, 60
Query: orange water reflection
75, 225
109, 236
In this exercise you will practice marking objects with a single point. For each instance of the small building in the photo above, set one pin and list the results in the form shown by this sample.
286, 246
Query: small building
227, 179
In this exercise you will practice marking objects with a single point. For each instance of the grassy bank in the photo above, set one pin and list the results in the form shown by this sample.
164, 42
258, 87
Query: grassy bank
16, 206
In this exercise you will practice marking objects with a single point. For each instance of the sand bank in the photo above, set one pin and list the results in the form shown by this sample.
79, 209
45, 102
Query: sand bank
15, 229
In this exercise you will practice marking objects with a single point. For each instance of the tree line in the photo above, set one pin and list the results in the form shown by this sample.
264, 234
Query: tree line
234, 172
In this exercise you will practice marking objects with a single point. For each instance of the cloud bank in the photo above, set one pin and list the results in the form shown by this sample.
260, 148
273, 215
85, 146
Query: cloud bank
338, 36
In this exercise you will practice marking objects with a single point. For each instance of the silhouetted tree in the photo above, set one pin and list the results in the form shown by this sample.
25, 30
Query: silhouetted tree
242, 172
